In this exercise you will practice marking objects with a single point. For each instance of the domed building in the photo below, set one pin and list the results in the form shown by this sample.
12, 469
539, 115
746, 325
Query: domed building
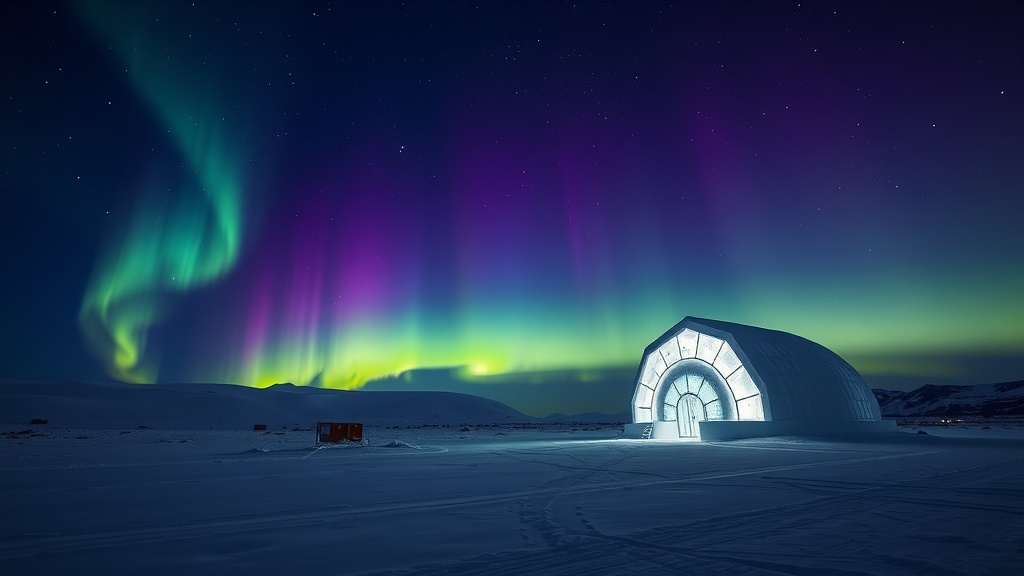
713, 380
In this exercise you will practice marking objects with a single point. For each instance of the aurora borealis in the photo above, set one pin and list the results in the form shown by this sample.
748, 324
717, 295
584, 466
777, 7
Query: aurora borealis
511, 200
175, 240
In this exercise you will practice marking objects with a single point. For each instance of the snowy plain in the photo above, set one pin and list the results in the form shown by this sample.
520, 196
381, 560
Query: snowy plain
441, 491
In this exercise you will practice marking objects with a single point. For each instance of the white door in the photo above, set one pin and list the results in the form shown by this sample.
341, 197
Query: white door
689, 411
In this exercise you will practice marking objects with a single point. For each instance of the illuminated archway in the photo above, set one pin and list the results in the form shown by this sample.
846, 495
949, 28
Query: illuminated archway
703, 372
718, 380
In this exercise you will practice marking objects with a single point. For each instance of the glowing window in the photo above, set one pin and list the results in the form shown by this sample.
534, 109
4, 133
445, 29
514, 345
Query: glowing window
670, 350
708, 347
687, 340
659, 364
706, 393
672, 396
680, 385
668, 412
727, 361
649, 377
750, 408
741, 384
644, 395
713, 410
693, 383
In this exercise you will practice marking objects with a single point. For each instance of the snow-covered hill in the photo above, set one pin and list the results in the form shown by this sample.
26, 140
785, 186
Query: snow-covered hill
984, 400
87, 404
225, 406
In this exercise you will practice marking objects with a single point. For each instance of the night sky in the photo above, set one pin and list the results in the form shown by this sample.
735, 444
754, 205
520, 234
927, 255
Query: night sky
507, 199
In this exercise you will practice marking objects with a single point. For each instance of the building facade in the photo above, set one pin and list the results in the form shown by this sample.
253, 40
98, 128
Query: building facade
717, 380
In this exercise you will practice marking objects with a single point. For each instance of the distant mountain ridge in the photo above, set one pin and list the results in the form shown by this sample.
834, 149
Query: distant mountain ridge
231, 406
106, 405
983, 400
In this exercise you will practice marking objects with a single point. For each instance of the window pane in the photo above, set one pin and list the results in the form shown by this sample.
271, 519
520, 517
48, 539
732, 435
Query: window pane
741, 384
649, 377
668, 412
644, 395
750, 409
670, 350
713, 410
707, 393
727, 361
708, 347
687, 340
672, 396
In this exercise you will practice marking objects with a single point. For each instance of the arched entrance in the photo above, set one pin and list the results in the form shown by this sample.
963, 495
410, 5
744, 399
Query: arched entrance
689, 412
706, 370
690, 392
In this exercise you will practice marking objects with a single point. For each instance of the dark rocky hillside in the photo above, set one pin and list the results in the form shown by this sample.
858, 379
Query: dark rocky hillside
983, 400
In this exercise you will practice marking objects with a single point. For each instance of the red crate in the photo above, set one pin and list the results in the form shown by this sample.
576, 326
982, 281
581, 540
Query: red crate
335, 432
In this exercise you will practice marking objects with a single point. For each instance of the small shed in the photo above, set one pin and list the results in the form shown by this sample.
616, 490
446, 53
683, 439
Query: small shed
335, 432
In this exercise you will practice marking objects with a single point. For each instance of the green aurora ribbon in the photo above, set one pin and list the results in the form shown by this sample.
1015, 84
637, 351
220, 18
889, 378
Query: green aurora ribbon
176, 241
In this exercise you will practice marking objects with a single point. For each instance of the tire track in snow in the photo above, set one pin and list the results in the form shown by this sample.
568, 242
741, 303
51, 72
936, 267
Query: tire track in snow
699, 546
532, 505
276, 455
534, 511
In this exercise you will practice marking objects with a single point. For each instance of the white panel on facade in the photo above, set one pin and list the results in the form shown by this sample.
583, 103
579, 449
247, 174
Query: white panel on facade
727, 361
706, 393
750, 408
670, 351
713, 410
659, 364
693, 382
687, 340
672, 396
668, 412
741, 384
665, 412
649, 377
644, 415
708, 347
644, 396
680, 384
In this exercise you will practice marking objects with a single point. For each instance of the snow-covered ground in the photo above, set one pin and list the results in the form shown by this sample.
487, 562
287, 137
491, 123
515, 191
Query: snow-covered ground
442, 497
